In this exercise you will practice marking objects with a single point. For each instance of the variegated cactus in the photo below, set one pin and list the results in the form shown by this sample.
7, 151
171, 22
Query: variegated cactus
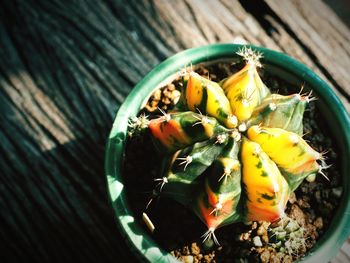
234, 152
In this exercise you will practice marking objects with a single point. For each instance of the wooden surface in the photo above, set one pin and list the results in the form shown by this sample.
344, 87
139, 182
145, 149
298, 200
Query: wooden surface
66, 66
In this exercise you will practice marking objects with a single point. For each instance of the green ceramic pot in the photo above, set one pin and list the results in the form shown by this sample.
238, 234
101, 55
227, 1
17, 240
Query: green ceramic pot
141, 244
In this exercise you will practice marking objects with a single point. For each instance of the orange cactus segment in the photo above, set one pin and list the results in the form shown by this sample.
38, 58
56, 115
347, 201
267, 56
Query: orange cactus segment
209, 219
259, 213
266, 189
245, 91
287, 149
209, 212
311, 165
169, 133
213, 198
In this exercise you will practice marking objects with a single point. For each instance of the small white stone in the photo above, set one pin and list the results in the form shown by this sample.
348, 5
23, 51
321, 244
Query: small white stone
337, 192
257, 241
176, 96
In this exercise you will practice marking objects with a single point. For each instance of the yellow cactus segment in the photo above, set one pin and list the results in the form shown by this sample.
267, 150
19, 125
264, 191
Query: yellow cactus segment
218, 106
266, 189
194, 92
287, 149
245, 90
208, 97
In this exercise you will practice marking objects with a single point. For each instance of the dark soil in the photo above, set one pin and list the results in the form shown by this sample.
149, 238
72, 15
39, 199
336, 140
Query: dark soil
178, 230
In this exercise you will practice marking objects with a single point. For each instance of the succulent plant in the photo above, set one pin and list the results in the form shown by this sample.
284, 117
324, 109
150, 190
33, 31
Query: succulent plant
232, 150
288, 237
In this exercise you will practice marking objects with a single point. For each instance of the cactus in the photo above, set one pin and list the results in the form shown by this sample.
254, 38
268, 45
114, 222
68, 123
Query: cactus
288, 237
233, 151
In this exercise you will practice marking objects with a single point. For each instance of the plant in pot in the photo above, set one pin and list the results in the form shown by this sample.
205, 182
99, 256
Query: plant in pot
231, 150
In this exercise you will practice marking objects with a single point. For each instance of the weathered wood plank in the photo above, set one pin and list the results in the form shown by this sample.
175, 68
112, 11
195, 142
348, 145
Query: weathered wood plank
65, 69
325, 38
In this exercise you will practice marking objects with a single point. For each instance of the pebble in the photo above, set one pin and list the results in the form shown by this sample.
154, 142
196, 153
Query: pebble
265, 256
297, 214
188, 259
304, 202
195, 249
337, 192
265, 238
276, 258
318, 223
292, 198
171, 87
244, 237
287, 259
254, 225
257, 241
318, 196
176, 96
157, 95
185, 250
163, 98
166, 100
208, 258
262, 230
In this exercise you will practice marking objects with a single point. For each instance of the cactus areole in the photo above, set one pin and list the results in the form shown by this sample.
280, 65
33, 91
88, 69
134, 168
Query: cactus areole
233, 151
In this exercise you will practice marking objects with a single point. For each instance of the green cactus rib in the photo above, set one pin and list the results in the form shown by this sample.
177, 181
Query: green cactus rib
279, 111
186, 165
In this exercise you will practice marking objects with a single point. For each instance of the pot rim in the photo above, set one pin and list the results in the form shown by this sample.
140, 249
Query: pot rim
135, 236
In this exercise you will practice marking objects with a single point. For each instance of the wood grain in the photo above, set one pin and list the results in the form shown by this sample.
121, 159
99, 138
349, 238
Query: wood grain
66, 66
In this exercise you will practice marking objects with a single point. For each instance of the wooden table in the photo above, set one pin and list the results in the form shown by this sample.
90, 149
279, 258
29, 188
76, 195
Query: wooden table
66, 66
